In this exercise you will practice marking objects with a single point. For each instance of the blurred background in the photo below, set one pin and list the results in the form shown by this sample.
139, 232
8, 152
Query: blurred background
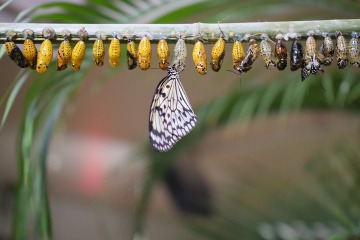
271, 157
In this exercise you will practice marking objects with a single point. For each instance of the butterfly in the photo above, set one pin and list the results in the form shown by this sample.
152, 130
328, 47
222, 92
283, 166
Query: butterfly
171, 116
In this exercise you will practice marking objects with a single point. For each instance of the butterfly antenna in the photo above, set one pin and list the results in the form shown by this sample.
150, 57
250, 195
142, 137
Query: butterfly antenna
222, 33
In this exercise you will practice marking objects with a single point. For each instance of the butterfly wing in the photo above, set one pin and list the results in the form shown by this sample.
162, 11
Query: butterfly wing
171, 115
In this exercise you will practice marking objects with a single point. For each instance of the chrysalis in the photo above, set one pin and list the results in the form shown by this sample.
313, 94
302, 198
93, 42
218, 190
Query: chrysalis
266, 51
218, 52
45, 53
14, 51
64, 51
199, 57
114, 50
163, 54
144, 53
78, 52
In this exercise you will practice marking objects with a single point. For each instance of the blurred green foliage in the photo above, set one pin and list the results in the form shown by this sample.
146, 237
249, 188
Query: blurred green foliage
49, 92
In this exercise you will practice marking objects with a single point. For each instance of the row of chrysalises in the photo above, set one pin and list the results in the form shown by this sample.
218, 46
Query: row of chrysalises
309, 61
171, 116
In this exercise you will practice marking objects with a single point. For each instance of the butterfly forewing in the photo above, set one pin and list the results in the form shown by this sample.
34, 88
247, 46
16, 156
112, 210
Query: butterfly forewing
171, 115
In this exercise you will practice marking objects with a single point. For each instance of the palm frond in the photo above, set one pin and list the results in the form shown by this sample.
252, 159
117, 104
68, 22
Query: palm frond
337, 173
5, 4
243, 104
44, 101
11, 93
106, 11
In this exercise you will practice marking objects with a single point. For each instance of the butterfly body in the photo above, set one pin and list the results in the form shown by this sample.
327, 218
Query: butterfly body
250, 57
311, 60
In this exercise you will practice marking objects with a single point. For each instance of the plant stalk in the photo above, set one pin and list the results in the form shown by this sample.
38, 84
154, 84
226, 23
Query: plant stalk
210, 31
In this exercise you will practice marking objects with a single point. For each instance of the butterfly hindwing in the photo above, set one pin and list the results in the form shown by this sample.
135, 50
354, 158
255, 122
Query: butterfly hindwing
171, 115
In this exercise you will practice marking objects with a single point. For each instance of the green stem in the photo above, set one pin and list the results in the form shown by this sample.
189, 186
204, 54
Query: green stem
210, 31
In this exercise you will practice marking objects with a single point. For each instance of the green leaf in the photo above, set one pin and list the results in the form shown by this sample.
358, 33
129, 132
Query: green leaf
22, 16
344, 89
62, 18
104, 3
45, 100
5, 4
269, 97
86, 14
24, 191
329, 94
180, 15
18, 83
48, 122
2, 51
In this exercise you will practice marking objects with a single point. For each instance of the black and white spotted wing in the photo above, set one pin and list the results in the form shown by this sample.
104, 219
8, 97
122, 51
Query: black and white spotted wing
171, 115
